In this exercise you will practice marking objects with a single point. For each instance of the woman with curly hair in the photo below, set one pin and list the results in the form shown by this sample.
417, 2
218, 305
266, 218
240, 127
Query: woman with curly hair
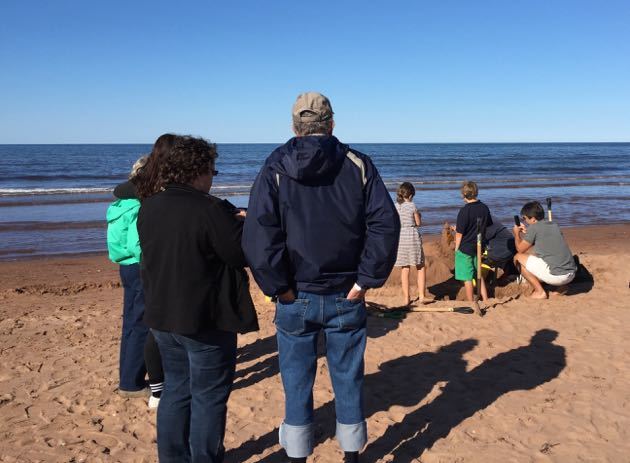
147, 181
197, 298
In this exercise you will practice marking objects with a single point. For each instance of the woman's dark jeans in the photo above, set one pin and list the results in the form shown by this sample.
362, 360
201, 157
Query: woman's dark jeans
134, 331
198, 376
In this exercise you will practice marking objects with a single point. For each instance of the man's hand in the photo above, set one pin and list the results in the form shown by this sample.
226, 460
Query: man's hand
355, 294
287, 297
516, 229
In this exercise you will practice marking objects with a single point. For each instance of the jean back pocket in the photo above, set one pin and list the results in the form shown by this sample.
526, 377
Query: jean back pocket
290, 317
351, 314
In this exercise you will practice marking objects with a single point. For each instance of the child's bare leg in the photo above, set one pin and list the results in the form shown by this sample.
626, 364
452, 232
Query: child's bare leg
520, 260
404, 282
484, 290
422, 281
468, 286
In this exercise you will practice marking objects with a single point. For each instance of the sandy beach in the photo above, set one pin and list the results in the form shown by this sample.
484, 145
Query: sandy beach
532, 381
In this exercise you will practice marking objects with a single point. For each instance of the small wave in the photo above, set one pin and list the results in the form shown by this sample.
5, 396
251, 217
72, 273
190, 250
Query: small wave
613, 179
50, 191
231, 187
37, 226
41, 201
435, 183
506, 185
33, 177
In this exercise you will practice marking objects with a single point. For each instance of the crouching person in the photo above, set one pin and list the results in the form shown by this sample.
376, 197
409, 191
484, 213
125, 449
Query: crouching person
553, 261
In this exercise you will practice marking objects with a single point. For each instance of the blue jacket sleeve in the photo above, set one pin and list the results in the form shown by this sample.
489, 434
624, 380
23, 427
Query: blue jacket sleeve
382, 234
264, 241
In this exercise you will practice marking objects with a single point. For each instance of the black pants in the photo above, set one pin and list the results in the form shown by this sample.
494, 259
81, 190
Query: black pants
153, 360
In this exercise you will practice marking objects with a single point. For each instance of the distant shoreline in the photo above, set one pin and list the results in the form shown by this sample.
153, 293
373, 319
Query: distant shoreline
348, 142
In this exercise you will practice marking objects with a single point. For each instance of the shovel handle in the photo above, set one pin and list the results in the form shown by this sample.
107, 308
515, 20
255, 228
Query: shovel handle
479, 242
458, 309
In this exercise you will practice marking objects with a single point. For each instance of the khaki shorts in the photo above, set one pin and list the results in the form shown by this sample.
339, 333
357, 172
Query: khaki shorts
540, 269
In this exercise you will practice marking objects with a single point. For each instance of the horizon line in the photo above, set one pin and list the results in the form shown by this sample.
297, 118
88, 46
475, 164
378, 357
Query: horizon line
355, 143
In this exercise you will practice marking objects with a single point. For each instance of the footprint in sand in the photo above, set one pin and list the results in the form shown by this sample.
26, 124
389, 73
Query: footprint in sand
103, 440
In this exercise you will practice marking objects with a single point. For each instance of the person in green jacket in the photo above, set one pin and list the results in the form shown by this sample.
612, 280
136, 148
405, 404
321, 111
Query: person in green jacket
124, 248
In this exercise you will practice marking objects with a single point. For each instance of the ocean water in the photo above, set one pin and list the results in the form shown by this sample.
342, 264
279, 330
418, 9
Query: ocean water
53, 198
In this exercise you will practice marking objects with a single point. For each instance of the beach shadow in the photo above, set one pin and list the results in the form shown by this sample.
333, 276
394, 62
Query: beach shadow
447, 289
245, 377
414, 377
583, 281
268, 367
523, 368
256, 349
404, 381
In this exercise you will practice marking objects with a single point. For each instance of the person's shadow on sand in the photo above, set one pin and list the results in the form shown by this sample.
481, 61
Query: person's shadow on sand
448, 289
523, 368
404, 381
245, 377
414, 377
268, 367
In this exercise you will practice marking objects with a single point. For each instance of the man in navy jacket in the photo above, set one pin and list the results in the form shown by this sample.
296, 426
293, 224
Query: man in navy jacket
321, 229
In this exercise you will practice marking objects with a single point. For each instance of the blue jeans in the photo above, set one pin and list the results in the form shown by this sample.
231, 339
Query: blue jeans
198, 375
298, 325
134, 332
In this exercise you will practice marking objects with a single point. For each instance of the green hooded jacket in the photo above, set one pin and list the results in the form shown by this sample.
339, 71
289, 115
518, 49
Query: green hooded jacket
123, 243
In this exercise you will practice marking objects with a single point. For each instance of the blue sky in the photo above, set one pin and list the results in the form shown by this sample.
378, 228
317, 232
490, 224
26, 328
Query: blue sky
409, 71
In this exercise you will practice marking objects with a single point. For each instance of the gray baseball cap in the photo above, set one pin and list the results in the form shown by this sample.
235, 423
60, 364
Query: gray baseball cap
312, 107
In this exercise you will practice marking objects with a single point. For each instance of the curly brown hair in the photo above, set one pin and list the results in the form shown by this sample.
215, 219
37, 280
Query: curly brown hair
188, 159
147, 180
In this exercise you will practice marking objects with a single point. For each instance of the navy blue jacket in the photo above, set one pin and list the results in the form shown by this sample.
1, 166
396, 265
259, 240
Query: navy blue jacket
319, 220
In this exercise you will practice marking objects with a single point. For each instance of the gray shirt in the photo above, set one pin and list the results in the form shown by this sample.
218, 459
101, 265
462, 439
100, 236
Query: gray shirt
551, 247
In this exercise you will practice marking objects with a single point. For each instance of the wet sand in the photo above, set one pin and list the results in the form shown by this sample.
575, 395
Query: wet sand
532, 381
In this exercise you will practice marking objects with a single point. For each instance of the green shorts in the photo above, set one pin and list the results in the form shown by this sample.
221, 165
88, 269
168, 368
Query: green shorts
465, 266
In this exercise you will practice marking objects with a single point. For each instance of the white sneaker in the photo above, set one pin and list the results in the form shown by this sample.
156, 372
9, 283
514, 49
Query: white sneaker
154, 402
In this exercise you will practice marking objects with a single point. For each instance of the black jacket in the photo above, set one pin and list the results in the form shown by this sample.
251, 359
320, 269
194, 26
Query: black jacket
501, 247
319, 219
192, 264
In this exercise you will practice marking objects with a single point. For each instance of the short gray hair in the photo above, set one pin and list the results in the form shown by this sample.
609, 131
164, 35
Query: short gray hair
302, 129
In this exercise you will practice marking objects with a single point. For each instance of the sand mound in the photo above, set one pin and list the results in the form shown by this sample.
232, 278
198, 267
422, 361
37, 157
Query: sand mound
446, 244
441, 283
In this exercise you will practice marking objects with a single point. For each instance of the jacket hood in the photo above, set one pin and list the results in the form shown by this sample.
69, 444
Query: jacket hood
120, 207
309, 158
126, 190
